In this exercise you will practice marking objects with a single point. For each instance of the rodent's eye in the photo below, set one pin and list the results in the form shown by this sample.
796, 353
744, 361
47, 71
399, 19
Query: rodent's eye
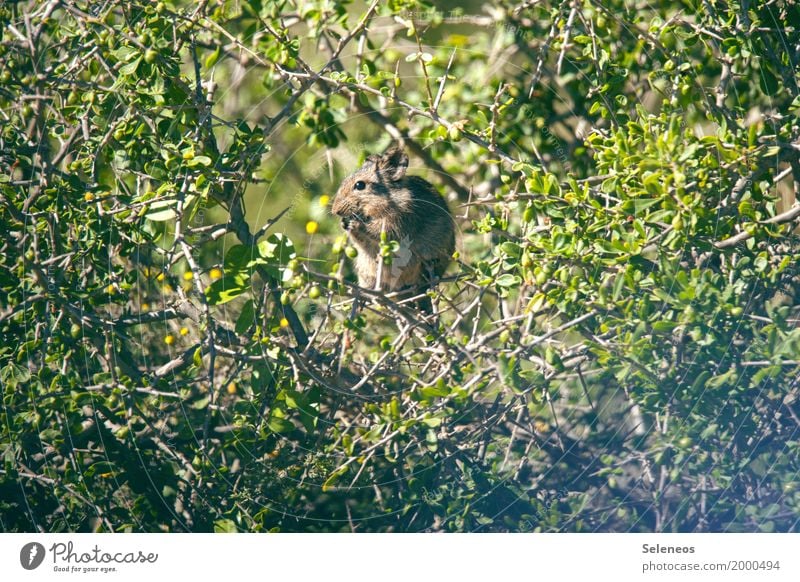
360, 185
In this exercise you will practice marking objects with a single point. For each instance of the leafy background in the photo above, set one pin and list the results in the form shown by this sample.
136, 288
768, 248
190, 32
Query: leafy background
616, 347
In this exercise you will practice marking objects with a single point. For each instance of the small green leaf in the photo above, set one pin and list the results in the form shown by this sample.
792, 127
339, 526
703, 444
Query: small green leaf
201, 404
199, 161
227, 288
508, 280
212, 59
664, 326
225, 526
330, 482
131, 67
161, 210
246, 317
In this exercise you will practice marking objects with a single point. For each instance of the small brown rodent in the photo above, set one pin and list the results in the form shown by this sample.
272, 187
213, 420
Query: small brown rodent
380, 197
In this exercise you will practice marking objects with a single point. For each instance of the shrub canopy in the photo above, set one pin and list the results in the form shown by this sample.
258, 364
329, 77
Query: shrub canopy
182, 343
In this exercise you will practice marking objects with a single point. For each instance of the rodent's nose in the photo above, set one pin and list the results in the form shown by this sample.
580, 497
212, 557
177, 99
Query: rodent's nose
336, 207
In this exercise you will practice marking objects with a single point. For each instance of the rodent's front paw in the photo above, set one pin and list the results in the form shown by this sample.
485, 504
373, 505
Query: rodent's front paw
355, 221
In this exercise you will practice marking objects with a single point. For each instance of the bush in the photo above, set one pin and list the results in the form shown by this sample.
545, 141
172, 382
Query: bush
183, 346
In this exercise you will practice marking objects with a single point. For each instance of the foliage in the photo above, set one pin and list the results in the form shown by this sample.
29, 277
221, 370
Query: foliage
615, 349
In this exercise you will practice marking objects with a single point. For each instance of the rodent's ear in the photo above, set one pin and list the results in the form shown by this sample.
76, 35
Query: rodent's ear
393, 163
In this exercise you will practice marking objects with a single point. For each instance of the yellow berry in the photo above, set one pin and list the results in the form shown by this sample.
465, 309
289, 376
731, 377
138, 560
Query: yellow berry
160, 277
110, 289
184, 330
187, 276
311, 227
145, 307
324, 199
88, 197
169, 340
232, 388
284, 322
215, 274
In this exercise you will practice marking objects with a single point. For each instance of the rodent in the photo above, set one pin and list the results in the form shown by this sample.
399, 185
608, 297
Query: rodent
381, 197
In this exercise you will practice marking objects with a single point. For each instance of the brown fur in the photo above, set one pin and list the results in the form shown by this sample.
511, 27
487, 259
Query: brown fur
409, 210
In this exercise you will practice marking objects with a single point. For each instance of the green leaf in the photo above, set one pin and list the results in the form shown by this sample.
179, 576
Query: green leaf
277, 249
246, 317
227, 288
279, 424
239, 258
431, 392
161, 210
212, 59
331, 481
199, 161
432, 422
201, 404
131, 67
664, 326
508, 280
225, 526
511, 248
